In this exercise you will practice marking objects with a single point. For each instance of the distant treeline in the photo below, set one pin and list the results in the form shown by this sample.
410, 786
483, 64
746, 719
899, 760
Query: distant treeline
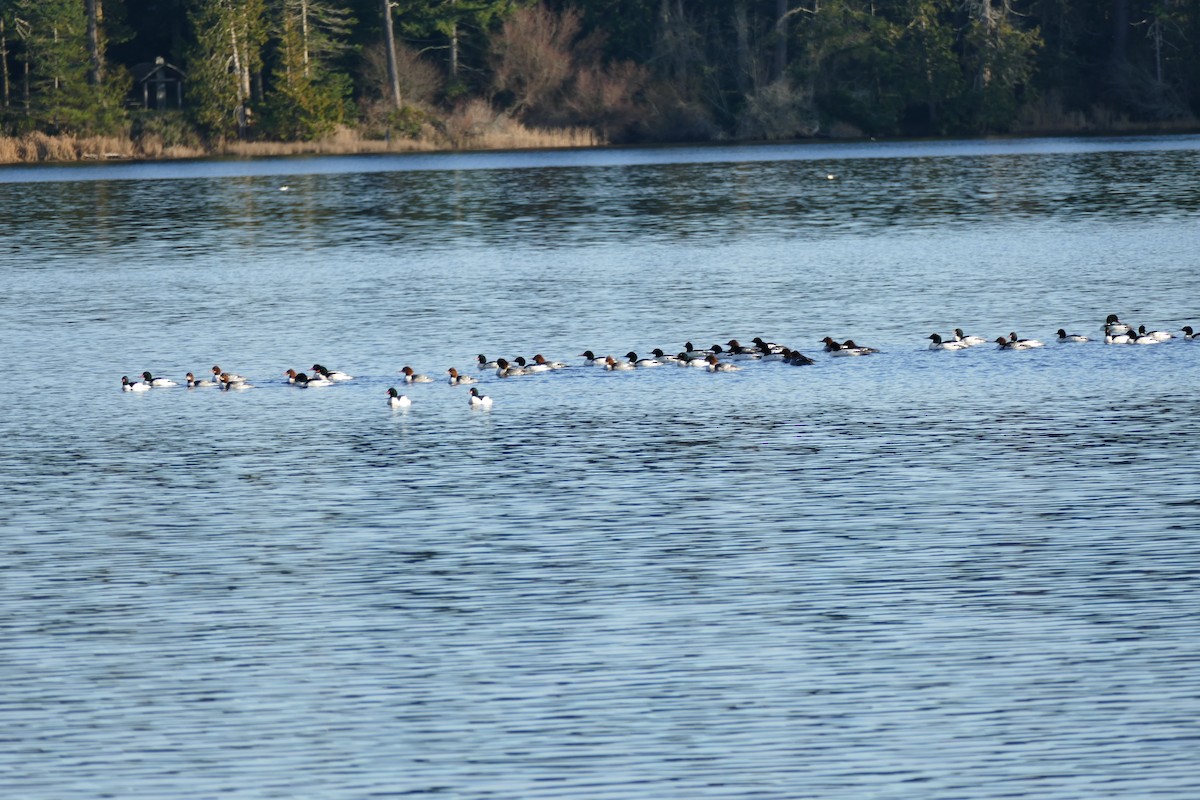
196, 72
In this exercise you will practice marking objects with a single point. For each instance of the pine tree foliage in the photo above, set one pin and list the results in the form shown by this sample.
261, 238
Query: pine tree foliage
309, 99
55, 88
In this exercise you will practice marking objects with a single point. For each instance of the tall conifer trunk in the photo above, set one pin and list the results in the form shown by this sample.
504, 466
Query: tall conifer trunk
389, 44
95, 15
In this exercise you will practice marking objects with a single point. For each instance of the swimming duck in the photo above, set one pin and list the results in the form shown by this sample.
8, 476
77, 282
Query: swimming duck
1161, 336
720, 366
412, 377
590, 359
477, 400
769, 351
767, 348
1113, 326
796, 358
506, 370
1016, 344
663, 357
737, 351
482, 362
292, 375
157, 382
397, 400
193, 383
642, 363
862, 351
130, 386
846, 348
936, 343
307, 382
692, 352
969, 341
1117, 338
459, 380
221, 376
684, 360
611, 363
333, 375
1143, 338
1025, 344
1063, 336
831, 346
1187, 332
539, 360
230, 381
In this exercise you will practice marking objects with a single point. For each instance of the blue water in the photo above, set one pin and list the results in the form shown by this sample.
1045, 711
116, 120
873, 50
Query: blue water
914, 574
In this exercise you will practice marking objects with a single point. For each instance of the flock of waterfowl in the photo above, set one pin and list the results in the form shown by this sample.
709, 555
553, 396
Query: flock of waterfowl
717, 358
1115, 332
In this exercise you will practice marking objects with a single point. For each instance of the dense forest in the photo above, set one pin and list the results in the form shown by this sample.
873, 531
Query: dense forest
208, 71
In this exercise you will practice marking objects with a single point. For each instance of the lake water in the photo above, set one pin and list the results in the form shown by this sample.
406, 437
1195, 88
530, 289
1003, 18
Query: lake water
914, 574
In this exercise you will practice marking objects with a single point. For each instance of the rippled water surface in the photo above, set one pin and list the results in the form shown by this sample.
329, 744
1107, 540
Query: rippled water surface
910, 575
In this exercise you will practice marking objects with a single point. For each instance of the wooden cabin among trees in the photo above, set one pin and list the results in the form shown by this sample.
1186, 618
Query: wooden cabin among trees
158, 86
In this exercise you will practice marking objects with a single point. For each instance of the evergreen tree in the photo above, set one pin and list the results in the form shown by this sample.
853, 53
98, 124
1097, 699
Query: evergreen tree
61, 90
226, 54
307, 99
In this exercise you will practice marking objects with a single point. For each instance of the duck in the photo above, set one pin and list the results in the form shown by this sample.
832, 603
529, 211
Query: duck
684, 360
692, 352
1117, 338
539, 360
413, 377
737, 351
506, 370
590, 359
846, 348
1113, 326
1143, 338
796, 358
936, 343
220, 375
193, 383
292, 376
397, 400
531, 369
715, 365
477, 400
481, 362
642, 363
663, 357
768, 348
611, 363
1026, 344
1016, 344
1063, 336
305, 382
768, 351
1161, 336
459, 380
331, 374
831, 346
862, 351
157, 382
1187, 332
231, 381
969, 341
130, 386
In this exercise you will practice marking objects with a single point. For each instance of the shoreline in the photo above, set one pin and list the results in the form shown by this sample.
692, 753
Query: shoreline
39, 148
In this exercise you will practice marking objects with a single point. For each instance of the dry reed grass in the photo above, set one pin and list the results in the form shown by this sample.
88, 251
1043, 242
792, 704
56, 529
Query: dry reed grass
475, 125
489, 132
